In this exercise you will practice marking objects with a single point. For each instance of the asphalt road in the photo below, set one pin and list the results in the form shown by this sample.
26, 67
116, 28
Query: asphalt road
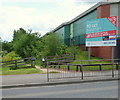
107, 89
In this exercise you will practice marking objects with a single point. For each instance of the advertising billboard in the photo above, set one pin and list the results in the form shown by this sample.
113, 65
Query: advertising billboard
101, 32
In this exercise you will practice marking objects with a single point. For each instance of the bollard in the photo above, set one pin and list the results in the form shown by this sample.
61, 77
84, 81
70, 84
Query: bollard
48, 74
44, 62
112, 70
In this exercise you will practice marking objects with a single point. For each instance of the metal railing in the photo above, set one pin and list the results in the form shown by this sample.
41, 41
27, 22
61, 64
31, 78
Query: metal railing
84, 69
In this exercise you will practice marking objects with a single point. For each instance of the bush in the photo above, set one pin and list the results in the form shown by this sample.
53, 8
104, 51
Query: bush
11, 56
73, 50
53, 46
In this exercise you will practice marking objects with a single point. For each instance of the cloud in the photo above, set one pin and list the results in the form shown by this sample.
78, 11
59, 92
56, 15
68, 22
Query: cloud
13, 17
40, 19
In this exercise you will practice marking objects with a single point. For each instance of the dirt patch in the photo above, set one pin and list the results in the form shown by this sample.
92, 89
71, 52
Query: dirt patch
45, 69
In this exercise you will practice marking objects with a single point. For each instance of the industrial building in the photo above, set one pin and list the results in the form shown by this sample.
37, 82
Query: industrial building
74, 31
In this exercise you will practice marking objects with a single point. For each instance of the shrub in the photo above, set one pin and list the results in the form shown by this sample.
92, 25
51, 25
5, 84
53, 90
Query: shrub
11, 56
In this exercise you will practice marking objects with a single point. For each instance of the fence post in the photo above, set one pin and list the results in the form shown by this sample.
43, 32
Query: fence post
81, 68
112, 70
59, 66
68, 67
76, 67
15, 64
100, 67
116, 66
31, 63
54, 66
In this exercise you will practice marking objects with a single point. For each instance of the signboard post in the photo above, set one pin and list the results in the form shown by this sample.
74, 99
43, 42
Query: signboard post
101, 32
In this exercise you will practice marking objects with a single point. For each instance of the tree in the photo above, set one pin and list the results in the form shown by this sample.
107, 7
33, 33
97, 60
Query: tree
26, 44
7, 46
53, 46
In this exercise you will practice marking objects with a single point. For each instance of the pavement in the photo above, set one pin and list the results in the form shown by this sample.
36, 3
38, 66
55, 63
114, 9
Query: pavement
106, 89
27, 80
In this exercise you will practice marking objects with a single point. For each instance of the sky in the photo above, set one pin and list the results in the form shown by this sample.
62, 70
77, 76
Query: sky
41, 16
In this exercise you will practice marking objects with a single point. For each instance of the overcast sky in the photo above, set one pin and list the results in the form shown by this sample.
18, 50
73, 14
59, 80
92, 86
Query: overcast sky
39, 15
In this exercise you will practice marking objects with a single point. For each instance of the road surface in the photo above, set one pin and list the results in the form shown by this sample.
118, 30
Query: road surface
106, 89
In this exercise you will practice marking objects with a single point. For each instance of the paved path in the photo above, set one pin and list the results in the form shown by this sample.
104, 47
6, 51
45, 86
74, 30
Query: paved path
23, 79
39, 79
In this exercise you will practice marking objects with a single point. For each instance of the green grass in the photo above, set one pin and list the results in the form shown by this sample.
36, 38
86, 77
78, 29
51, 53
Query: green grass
6, 71
87, 68
81, 56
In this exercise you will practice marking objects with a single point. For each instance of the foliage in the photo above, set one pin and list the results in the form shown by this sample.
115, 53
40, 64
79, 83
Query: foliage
52, 46
26, 44
11, 56
7, 46
73, 50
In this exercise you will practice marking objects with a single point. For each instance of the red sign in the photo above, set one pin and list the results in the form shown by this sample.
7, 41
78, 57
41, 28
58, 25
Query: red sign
113, 20
101, 34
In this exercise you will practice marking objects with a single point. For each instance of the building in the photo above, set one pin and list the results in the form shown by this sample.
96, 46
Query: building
74, 31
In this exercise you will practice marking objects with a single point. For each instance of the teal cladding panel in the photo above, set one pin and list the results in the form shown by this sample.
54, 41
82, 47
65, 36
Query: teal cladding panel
60, 34
67, 35
79, 28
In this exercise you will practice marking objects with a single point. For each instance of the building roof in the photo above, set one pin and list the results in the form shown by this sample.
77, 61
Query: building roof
84, 13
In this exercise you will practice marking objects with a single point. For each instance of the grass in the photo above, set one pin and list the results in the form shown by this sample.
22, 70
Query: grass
81, 56
87, 68
7, 71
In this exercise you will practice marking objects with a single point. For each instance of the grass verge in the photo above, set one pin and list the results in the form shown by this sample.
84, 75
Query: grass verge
6, 71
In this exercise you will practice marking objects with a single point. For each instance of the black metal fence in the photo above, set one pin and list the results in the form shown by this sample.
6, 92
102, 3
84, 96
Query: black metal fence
84, 69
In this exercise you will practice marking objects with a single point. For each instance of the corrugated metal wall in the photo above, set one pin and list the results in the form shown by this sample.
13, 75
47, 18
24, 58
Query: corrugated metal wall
67, 35
60, 34
79, 28
64, 34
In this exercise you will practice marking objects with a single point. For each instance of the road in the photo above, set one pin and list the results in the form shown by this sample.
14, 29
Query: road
107, 89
